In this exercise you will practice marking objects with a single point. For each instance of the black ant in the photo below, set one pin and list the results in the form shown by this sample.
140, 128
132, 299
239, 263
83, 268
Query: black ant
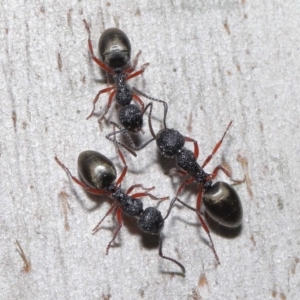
115, 51
221, 201
98, 175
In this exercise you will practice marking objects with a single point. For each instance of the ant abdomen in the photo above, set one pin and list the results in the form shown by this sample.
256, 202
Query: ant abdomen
222, 203
114, 48
95, 169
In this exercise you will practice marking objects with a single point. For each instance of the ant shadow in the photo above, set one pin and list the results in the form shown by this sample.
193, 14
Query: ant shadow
221, 230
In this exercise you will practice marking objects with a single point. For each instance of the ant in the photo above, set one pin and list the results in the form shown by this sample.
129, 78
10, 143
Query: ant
115, 51
98, 175
220, 200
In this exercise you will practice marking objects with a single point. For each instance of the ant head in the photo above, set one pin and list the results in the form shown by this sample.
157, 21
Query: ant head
151, 221
169, 142
130, 117
115, 49
96, 169
223, 204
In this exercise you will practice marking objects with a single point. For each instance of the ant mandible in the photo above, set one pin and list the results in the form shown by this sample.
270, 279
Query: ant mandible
98, 175
220, 200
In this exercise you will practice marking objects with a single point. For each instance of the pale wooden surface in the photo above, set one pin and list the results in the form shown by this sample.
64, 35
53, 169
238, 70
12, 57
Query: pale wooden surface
213, 61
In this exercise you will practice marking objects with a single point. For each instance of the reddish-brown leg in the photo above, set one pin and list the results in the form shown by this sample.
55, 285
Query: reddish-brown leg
97, 61
121, 177
138, 186
134, 62
106, 90
95, 229
101, 64
110, 99
137, 73
139, 100
82, 184
196, 147
120, 224
227, 173
198, 206
140, 195
205, 227
186, 182
217, 146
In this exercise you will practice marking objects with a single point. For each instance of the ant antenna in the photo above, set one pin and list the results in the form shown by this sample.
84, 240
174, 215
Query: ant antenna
157, 100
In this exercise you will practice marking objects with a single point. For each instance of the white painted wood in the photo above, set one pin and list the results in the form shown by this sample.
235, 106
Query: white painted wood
213, 61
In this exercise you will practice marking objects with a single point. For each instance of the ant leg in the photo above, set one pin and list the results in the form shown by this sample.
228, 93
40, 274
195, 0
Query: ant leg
168, 258
151, 130
226, 172
181, 202
204, 225
128, 137
121, 177
217, 146
134, 62
150, 123
139, 100
106, 90
95, 229
138, 186
186, 182
196, 147
137, 73
144, 145
82, 184
95, 59
120, 224
147, 106
124, 131
157, 100
104, 67
199, 201
139, 195
111, 96
87, 26
171, 206
197, 210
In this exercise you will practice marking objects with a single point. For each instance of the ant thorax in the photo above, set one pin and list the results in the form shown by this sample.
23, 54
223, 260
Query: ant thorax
131, 207
186, 161
123, 91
